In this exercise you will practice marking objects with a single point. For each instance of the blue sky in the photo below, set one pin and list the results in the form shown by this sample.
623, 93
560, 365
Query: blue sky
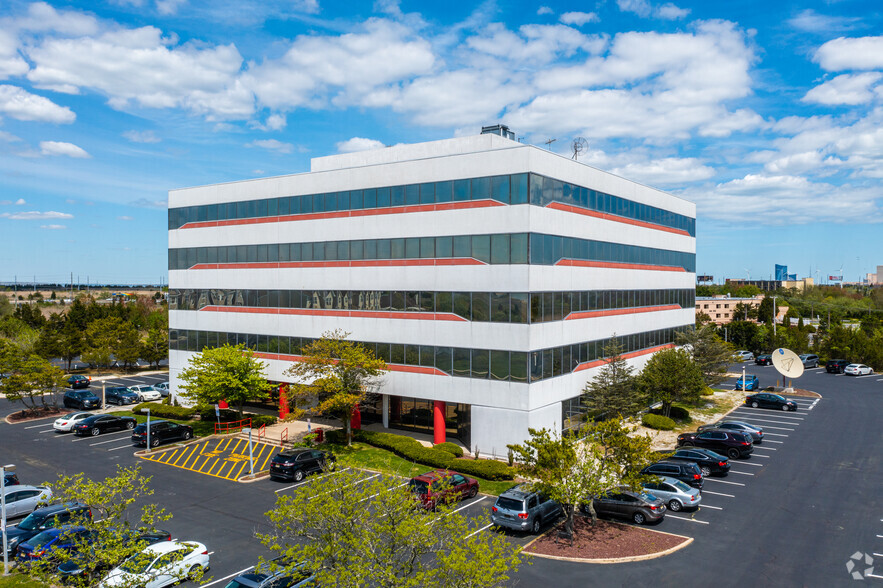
766, 114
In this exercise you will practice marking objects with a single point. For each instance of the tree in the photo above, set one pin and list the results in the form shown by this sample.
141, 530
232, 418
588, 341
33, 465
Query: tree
72, 342
101, 339
127, 345
744, 312
613, 390
340, 374
708, 351
229, 373
354, 532
671, 376
566, 469
746, 335
30, 378
6, 307
624, 452
156, 346
767, 311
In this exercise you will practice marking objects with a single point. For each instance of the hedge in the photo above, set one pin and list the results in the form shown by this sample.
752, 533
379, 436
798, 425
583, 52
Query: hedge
164, 411
489, 469
451, 448
676, 413
657, 421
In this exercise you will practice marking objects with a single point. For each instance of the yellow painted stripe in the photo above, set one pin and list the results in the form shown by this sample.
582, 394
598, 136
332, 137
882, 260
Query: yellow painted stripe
239, 473
227, 444
202, 467
238, 443
217, 461
266, 459
196, 451
218, 445
169, 456
183, 453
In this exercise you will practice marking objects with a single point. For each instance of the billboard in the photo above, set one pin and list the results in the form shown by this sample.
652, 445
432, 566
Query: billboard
835, 278
704, 278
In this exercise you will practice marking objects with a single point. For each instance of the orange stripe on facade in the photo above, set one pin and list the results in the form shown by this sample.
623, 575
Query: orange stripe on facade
619, 311
615, 218
393, 367
619, 265
600, 362
423, 316
349, 263
346, 213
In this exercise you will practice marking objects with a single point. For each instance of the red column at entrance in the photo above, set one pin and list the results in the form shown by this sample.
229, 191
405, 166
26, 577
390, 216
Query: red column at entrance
283, 401
356, 420
438, 422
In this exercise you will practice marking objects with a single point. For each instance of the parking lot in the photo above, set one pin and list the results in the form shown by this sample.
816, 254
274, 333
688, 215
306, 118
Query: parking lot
228, 458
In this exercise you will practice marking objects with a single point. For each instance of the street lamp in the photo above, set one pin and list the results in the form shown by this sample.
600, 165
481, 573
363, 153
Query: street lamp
3, 470
775, 313
250, 454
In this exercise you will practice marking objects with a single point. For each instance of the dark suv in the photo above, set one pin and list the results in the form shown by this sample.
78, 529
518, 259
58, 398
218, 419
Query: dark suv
160, 432
522, 509
637, 506
836, 366
120, 395
79, 381
41, 519
729, 443
684, 471
82, 399
294, 464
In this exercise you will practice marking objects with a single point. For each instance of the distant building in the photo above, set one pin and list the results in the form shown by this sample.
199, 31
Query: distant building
770, 285
720, 308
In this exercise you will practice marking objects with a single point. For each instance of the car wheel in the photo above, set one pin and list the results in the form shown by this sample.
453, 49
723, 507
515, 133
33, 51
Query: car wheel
130, 424
193, 572
754, 404
472, 492
154, 442
537, 525
639, 518
95, 431
732, 453
706, 471
674, 505
299, 476
186, 435
785, 407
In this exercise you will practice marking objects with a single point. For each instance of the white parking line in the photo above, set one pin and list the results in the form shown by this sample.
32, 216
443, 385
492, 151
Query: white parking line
724, 482
49, 431
128, 445
90, 437
773, 441
763, 456
718, 493
309, 480
353, 484
38, 426
740, 473
880, 536
455, 510
766, 426
757, 465
485, 528
780, 414
103, 442
774, 435
387, 490
760, 418
219, 580
701, 506
878, 554
685, 519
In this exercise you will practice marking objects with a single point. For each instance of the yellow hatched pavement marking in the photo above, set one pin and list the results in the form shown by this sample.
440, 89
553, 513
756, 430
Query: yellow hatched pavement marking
183, 453
169, 456
225, 460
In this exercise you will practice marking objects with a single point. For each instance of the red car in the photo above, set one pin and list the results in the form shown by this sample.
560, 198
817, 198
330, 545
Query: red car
442, 486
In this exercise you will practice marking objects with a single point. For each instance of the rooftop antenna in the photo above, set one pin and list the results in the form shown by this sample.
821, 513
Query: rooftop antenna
747, 271
578, 146
549, 144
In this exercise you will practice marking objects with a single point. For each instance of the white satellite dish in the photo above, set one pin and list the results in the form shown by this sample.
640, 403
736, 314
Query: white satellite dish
788, 363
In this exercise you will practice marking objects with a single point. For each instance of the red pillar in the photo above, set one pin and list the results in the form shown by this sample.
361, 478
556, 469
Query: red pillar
356, 420
283, 401
438, 422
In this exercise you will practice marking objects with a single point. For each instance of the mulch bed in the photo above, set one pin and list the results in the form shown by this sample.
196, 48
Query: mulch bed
606, 540
24, 416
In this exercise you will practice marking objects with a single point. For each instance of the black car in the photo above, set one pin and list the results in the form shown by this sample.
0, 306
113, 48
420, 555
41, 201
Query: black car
685, 471
637, 506
103, 423
767, 400
120, 395
765, 359
295, 464
754, 431
82, 399
729, 443
10, 478
161, 432
44, 518
708, 461
79, 381
836, 366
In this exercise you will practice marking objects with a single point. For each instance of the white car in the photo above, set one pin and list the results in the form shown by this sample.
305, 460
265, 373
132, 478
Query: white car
163, 388
162, 564
23, 500
66, 423
744, 356
858, 369
146, 393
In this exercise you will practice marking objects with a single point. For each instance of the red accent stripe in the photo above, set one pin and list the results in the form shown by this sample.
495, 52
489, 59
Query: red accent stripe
347, 213
423, 316
393, 367
598, 362
349, 263
619, 311
615, 218
618, 265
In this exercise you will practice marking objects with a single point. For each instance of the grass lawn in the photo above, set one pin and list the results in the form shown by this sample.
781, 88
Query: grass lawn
364, 456
18, 581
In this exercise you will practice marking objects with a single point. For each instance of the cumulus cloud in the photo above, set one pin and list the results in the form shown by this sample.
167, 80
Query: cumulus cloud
145, 203
669, 171
544, 10
845, 89
141, 136
358, 144
35, 215
272, 145
851, 53
669, 11
53, 227
578, 18
307, 6
8, 137
169, 7
274, 122
41, 17
11, 62
62, 148
20, 104
640, 7
19, 202
812, 22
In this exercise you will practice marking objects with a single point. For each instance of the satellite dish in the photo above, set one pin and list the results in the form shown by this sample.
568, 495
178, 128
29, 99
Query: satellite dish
578, 146
787, 362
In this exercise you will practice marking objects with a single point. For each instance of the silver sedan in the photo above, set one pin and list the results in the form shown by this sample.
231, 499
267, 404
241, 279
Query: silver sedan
676, 494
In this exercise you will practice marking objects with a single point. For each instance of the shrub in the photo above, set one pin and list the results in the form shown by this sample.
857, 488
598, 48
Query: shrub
488, 469
677, 413
164, 411
657, 421
451, 448
707, 391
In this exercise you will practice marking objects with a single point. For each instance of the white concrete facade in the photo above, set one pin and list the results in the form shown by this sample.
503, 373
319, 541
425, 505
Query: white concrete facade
501, 411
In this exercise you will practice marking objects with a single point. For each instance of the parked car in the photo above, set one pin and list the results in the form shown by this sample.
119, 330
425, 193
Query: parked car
103, 423
46, 544
82, 399
729, 443
641, 507
755, 431
836, 366
764, 359
523, 509
744, 356
442, 487
263, 577
709, 462
134, 541
44, 518
120, 395
676, 494
145, 393
163, 388
768, 400
681, 470
65, 424
161, 432
858, 369
22, 499
295, 464
10, 478
162, 564
809, 360
79, 381
751, 383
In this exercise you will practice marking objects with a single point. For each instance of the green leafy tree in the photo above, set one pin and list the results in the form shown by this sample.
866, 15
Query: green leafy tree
231, 373
30, 315
49, 343
6, 307
155, 347
708, 351
72, 342
127, 345
671, 376
396, 545
101, 339
31, 380
613, 390
339, 373
746, 335
767, 311
744, 312
623, 452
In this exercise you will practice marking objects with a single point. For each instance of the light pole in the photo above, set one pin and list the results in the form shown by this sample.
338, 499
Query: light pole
775, 313
250, 455
3, 470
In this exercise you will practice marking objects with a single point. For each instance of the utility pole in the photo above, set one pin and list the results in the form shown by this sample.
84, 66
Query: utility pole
775, 312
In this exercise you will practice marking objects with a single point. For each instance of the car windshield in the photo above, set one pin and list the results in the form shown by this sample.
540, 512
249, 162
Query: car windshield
138, 563
31, 522
42, 539
681, 486
70, 415
418, 486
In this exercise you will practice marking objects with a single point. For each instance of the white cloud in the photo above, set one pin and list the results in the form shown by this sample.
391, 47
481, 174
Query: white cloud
811, 21
669, 11
11, 63
639, 7
533, 44
544, 10
145, 203
850, 53
845, 89
62, 148
125, 218
358, 144
53, 227
8, 137
19, 202
727, 123
275, 122
169, 7
141, 136
578, 18
22, 105
272, 145
308, 6
35, 215
42, 17
669, 171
